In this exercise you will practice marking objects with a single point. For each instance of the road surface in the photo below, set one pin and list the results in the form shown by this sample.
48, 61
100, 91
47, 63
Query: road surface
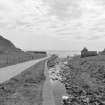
8, 72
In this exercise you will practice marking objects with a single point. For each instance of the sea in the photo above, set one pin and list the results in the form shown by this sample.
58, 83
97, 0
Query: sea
63, 53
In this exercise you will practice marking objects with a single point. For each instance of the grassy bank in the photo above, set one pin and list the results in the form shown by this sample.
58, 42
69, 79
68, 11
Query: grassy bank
18, 57
25, 88
85, 78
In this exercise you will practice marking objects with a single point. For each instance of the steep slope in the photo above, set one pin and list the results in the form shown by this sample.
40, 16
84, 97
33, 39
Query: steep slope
6, 45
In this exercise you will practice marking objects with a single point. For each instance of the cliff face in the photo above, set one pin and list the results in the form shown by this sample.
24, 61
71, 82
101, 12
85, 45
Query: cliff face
6, 45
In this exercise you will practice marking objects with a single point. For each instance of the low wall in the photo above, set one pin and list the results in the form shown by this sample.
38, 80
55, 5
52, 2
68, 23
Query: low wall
14, 58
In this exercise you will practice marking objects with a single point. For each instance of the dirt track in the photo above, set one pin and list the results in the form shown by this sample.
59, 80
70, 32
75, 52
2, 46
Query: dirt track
52, 91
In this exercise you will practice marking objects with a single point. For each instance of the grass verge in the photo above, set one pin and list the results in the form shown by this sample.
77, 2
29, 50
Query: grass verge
25, 88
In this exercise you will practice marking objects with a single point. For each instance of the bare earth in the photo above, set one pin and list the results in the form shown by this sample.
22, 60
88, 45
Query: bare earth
48, 98
52, 90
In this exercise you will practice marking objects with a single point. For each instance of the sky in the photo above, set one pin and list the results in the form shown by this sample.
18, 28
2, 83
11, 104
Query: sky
54, 24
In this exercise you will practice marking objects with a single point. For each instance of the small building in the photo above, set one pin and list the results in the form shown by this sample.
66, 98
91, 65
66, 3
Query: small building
86, 53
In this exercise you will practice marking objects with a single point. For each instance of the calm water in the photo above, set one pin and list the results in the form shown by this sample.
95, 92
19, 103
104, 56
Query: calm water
63, 53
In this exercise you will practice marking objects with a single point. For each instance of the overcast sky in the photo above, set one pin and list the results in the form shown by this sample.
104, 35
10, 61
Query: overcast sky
54, 24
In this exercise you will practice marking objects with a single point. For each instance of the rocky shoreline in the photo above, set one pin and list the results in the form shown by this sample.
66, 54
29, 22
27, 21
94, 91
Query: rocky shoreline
84, 80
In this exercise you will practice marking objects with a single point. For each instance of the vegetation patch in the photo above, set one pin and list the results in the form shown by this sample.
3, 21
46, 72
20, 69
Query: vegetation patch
84, 80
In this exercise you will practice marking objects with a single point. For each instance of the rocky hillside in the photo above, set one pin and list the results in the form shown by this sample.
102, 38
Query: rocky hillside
6, 45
